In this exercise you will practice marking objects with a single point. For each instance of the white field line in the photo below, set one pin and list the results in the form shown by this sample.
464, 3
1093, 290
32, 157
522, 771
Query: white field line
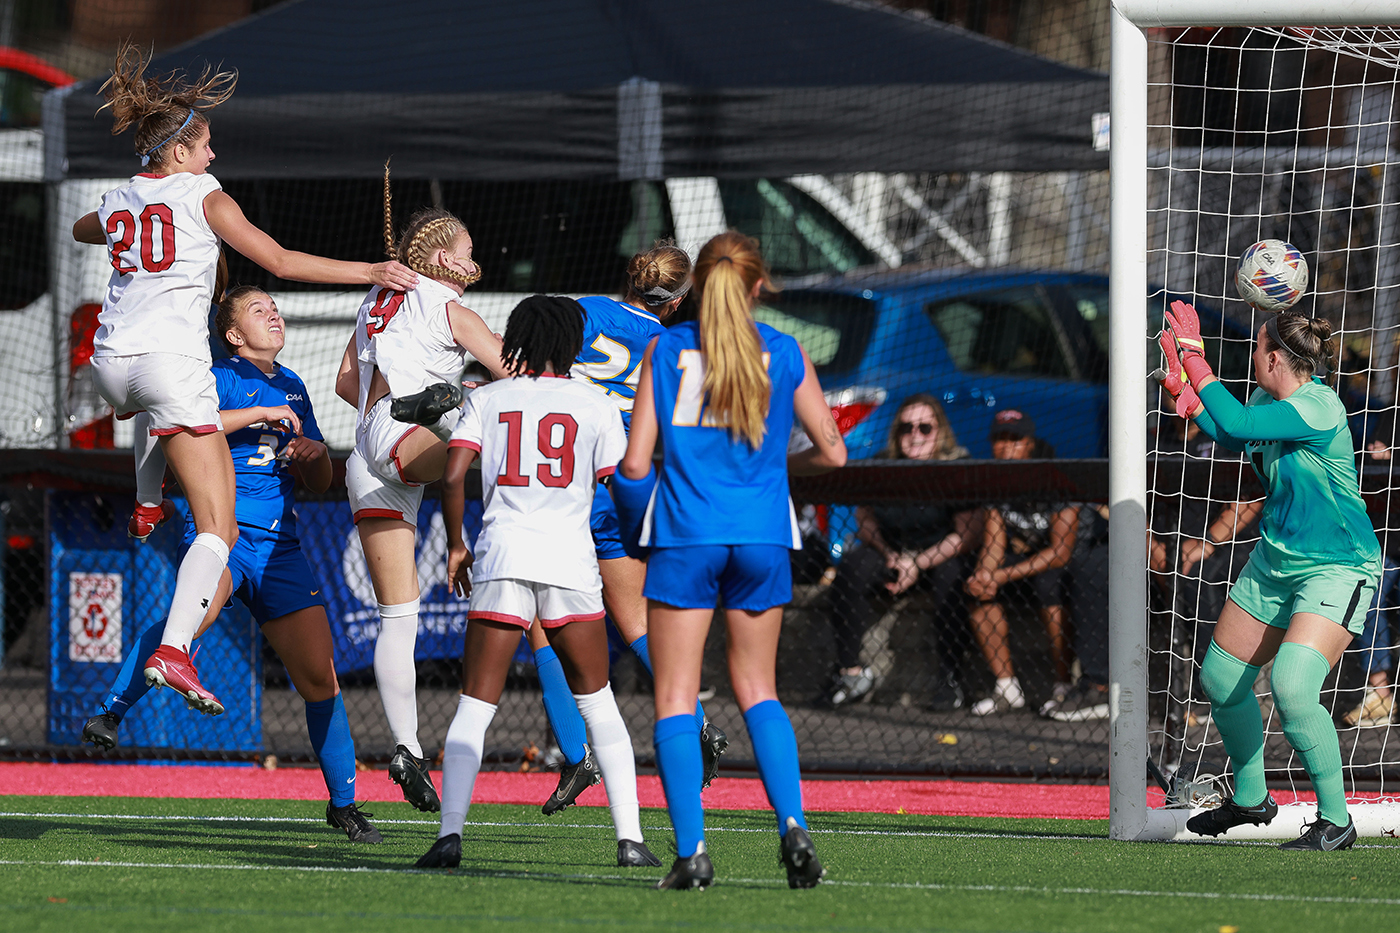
607, 826
774, 882
911, 833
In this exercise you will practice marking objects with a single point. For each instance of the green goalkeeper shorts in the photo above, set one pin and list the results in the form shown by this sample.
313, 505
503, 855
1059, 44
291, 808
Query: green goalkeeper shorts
1336, 592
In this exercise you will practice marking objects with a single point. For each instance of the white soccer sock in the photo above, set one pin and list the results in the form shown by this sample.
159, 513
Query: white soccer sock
196, 583
612, 746
395, 673
461, 761
150, 461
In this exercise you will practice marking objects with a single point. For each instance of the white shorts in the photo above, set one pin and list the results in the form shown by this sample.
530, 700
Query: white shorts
373, 496
378, 440
178, 392
520, 602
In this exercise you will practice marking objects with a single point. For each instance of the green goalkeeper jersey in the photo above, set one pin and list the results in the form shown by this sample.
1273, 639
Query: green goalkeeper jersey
1302, 450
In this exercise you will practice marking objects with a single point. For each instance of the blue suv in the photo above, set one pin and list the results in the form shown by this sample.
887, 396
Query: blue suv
979, 341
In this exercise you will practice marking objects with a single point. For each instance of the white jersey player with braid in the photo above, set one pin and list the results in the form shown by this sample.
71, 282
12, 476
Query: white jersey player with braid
402, 344
163, 231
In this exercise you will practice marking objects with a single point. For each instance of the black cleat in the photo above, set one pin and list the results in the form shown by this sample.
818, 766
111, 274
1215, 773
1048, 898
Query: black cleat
428, 406
799, 856
713, 743
445, 853
573, 780
1323, 836
687, 873
635, 855
101, 730
411, 773
1229, 815
353, 820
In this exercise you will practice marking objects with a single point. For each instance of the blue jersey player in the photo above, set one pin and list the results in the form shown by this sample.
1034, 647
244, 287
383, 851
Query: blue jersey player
615, 337
721, 394
274, 441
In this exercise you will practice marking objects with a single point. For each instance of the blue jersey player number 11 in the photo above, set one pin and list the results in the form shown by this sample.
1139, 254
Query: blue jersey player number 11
721, 395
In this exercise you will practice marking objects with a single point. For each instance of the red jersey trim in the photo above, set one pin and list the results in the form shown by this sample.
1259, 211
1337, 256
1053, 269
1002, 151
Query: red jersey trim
471, 445
583, 617
378, 513
192, 428
394, 454
498, 617
606, 471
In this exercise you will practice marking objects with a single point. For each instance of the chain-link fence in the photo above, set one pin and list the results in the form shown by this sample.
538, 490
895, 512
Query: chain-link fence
78, 591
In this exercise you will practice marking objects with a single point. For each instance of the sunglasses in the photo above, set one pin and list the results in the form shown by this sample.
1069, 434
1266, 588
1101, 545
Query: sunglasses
908, 427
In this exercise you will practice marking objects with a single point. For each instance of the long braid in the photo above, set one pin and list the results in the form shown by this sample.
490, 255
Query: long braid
389, 246
428, 231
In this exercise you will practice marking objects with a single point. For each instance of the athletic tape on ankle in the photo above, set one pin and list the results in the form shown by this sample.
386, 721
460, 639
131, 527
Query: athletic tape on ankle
398, 610
213, 543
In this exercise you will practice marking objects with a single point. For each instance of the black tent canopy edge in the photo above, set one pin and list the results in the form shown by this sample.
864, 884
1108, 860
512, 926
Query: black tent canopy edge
609, 89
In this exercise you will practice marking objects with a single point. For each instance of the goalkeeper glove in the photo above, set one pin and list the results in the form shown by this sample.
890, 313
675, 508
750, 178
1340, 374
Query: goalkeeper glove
1173, 380
1186, 328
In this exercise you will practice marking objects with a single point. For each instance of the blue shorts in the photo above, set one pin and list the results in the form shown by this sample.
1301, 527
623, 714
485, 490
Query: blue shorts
270, 574
607, 533
753, 577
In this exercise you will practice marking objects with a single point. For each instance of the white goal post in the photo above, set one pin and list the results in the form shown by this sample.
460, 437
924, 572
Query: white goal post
1131, 816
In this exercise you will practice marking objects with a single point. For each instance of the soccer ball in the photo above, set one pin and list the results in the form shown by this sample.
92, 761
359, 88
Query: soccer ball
1272, 276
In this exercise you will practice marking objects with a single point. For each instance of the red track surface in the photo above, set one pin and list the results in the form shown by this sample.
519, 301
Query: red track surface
940, 798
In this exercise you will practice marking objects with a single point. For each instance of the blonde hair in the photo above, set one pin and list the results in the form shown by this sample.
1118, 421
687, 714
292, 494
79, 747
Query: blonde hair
428, 231
660, 275
737, 388
164, 110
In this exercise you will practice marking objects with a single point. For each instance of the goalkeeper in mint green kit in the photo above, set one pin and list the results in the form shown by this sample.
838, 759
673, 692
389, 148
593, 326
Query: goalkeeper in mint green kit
1304, 593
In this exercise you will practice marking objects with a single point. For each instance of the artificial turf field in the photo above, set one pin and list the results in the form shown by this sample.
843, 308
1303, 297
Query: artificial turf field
121, 863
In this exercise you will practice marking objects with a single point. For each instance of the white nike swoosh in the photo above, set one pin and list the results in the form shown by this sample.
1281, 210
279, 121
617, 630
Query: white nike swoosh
349, 780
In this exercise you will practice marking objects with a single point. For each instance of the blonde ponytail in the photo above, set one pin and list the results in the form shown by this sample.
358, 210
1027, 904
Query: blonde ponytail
736, 387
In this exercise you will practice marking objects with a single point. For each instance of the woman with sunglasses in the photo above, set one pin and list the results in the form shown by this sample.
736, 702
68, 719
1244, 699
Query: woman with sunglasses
903, 546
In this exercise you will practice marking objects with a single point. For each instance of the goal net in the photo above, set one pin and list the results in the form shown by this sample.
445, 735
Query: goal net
1251, 132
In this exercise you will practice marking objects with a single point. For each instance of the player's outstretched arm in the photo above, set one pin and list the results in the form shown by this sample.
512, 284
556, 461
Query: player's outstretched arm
828, 450
641, 441
454, 503
88, 229
227, 220
472, 334
236, 419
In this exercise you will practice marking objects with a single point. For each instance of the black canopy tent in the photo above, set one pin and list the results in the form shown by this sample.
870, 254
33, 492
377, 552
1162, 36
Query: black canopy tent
620, 89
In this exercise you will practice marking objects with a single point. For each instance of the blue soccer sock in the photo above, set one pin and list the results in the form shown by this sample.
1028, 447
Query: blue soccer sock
559, 706
335, 750
775, 747
131, 685
677, 743
639, 648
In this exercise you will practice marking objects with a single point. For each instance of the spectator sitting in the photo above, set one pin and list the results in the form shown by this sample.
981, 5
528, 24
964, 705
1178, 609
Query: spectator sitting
903, 545
1377, 704
1028, 546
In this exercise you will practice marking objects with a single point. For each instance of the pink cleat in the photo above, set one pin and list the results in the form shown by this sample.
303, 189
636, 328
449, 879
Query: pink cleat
171, 667
146, 517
